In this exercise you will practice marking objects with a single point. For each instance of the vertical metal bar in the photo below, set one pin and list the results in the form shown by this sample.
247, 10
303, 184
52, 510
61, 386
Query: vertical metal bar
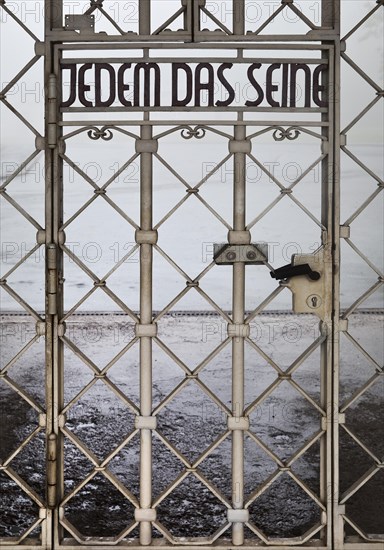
238, 16
238, 306
146, 260
145, 17
338, 522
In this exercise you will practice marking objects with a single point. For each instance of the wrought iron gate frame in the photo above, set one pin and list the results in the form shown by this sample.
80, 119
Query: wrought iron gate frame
55, 41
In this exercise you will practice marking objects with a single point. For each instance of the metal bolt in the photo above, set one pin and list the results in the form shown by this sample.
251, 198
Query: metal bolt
251, 255
231, 256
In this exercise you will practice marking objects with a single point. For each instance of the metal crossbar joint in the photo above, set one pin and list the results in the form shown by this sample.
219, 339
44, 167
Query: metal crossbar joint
100, 283
62, 420
100, 191
286, 191
40, 236
345, 231
100, 375
238, 330
99, 468
192, 284
40, 48
40, 328
142, 330
237, 516
343, 140
284, 376
146, 146
192, 190
238, 423
243, 146
51, 255
343, 325
42, 420
40, 143
145, 423
284, 468
146, 237
42, 513
343, 45
145, 514
239, 237
192, 376
61, 329
3, 282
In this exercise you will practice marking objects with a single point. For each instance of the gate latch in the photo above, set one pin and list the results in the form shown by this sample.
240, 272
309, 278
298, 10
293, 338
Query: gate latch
305, 277
252, 253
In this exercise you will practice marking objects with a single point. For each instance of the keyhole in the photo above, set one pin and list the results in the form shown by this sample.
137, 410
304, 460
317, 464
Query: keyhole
314, 301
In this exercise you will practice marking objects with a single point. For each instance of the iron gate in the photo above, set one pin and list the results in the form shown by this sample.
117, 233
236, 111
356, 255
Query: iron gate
145, 135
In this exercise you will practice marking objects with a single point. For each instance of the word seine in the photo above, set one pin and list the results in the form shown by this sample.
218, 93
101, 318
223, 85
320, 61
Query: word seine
101, 85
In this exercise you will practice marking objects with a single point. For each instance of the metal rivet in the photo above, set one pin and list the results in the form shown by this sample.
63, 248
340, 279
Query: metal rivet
230, 256
251, 255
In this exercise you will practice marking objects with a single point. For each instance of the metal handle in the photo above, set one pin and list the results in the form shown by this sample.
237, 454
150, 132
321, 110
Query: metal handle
288, 271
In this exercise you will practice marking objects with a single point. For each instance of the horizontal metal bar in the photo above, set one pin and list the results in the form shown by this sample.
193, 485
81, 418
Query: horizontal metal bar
194, 109
248, 42
125, 122
212, 60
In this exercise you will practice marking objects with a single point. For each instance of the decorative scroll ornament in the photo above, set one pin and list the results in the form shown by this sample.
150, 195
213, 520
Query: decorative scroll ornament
103, 133
290, 133
197, 132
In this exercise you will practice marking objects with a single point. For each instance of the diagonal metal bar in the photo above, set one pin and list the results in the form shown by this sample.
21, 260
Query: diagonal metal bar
264, 303
121, 445
308, 212
362, 299
360, 443
84, 358
266, 393
215, 20
19, 169
264, 355
173, 263
306, 353
359, 484
270, 19
361, 72
25, 486
303, 17
171, 212
306, 489
78, 304
212, 355
170, 20
213, 171
21, 261
360, 115
263, 487
180, 478
213, 211
21, 73
362, 165
173, 449
111, 20
168, 307
298, 388
213, 304
21, 446
252, 527
172, 355
121, 261
119, 355
19, 354
79, 395
21, 210
170, 396
375, 364
363, 535
364, 257
213, 397
20, 301
360, 392
23, 394
214, 490
366, 203
21, 118
265, 448
307, 445
120, 487
122, 305
209, 450
361, 22
169, 167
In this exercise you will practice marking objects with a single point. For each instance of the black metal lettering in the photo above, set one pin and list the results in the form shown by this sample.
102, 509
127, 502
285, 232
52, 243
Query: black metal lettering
256, 85
121, 86
295, 67
284, 92
99, 102
226, 84
270, 87
319, 89
199, 86
146, 68
72, 67
176, 67
84, 87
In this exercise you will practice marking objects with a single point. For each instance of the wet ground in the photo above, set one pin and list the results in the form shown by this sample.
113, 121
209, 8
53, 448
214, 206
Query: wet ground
191, 421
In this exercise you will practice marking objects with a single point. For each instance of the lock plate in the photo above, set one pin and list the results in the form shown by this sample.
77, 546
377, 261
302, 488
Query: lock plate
311, 295
228, 254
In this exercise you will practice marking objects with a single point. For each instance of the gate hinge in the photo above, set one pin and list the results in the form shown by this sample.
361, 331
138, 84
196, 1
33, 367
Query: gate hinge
228, 254
52, 470
51, 254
